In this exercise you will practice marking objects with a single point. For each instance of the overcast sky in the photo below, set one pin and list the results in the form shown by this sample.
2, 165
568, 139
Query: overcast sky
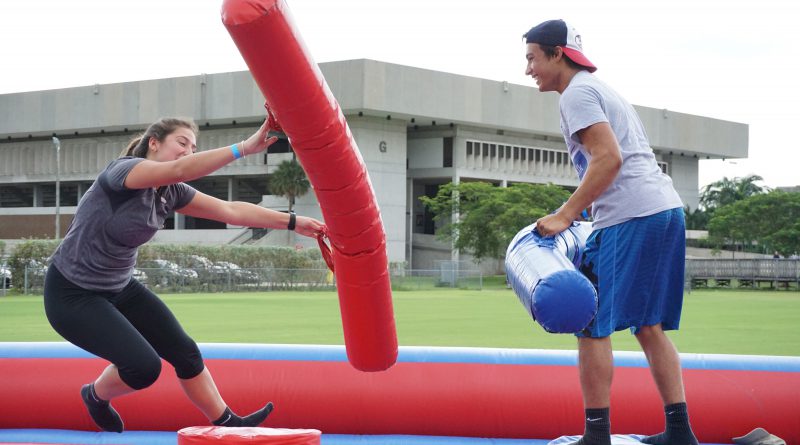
734, 60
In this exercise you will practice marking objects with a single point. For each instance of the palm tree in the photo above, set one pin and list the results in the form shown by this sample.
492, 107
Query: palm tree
727, 191
696, 219
289, 180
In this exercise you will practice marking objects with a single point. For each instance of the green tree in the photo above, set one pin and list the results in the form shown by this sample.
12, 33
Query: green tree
727, 191
289, 180
490, 216
696, 219
772, 220
32, 255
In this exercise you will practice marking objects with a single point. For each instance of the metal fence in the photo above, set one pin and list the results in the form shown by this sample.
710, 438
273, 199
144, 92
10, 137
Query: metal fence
5, 279
191, 280
773, 273
417, 279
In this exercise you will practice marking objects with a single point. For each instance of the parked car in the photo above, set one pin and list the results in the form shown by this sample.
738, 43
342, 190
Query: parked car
238, 274
208, 272
5, 275
33, 276
164, 273
140, 275
36, 268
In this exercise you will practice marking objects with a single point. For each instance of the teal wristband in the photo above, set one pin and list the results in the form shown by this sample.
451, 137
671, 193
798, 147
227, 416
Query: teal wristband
236, 153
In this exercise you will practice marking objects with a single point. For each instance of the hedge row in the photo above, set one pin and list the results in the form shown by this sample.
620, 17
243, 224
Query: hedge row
36, 252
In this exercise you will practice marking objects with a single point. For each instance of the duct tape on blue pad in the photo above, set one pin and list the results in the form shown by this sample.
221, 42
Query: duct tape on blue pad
542, 271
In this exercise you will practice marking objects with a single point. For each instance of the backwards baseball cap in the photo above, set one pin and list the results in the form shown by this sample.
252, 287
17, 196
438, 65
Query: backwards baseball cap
559, 33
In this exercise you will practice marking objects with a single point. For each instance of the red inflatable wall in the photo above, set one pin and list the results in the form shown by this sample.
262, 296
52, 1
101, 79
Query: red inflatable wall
301, 104
439, 399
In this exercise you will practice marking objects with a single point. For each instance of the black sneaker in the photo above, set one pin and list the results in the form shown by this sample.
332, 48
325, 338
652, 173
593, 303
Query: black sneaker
103, 414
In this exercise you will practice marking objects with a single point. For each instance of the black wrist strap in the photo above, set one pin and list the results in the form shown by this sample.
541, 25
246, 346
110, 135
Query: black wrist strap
292, 221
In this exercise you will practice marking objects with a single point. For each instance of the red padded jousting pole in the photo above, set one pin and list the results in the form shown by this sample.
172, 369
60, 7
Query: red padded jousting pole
301, 104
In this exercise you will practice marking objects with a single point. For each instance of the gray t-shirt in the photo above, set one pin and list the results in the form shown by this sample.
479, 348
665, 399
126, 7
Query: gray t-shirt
111, 222
640, 188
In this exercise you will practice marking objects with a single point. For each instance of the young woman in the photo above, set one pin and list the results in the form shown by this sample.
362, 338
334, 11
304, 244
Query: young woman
90, 296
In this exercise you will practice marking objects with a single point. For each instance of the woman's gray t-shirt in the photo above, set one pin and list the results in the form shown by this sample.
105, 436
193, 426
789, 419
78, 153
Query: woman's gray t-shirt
111, 222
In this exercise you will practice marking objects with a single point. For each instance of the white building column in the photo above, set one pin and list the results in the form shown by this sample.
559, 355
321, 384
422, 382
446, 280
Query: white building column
38, 195
81, 190
233, 194
180, 221
456, 215
409, 222
233, 189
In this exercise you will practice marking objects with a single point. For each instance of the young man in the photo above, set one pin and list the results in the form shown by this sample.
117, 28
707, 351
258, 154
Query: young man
635, 254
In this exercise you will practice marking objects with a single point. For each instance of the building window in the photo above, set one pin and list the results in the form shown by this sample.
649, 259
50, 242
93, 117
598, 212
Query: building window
539, 155
447, 159
428, 224
16, 195
664, 166
280, 146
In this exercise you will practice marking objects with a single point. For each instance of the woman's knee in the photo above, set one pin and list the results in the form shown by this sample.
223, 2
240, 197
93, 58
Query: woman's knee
187, 360
141, 374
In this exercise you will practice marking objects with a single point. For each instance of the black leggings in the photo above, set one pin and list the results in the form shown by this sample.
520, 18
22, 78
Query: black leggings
131, 328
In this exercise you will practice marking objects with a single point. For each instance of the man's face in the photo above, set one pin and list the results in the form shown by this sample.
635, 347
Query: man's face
543, 69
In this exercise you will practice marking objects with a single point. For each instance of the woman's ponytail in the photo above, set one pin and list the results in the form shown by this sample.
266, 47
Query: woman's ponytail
128, 151
139, 145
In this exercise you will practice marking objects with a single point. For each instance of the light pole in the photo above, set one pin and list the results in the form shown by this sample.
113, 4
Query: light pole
57, 143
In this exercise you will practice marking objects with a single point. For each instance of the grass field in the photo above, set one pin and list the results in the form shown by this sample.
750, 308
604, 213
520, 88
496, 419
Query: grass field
714, 321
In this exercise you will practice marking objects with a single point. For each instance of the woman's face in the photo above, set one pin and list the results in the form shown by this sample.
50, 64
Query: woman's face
181, 142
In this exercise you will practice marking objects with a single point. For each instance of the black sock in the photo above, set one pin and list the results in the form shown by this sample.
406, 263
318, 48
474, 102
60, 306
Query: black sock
103, 414
598, 428
678, 430
228, 418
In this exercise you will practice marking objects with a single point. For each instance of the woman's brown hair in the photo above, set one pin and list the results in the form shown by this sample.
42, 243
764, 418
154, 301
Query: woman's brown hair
159, 129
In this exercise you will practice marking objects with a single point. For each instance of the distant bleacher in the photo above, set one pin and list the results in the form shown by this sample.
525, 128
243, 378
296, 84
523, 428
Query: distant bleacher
743, 273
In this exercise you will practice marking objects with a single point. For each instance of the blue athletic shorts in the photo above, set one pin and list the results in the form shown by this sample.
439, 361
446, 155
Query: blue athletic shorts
637, 268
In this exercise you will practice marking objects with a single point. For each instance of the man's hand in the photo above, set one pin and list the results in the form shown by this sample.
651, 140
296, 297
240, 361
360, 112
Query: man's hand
552, 225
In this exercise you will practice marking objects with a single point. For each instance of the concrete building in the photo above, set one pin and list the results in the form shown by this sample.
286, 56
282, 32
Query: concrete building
416, 129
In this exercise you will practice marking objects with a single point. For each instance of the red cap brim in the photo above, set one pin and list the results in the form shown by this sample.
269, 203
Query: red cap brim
579, 58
